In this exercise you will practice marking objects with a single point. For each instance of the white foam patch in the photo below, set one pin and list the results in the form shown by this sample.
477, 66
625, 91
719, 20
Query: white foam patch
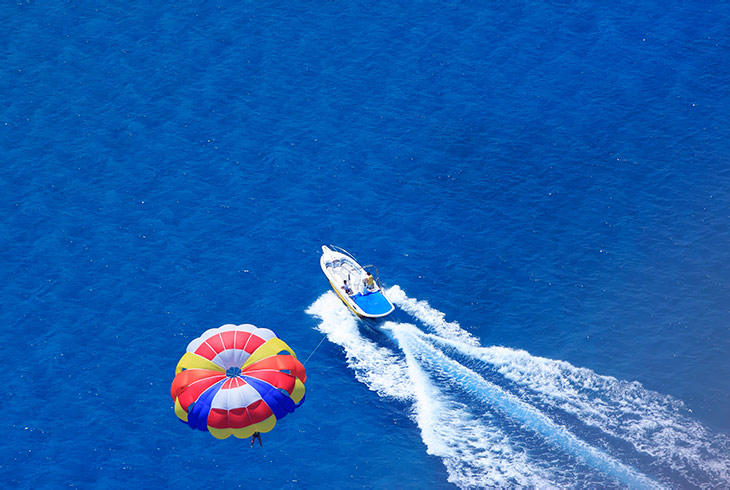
479, 452
379, 368
476, 453
655, 424
432, 318
412, 340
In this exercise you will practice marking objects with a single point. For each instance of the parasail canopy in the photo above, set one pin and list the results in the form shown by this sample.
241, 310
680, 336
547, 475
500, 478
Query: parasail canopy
237, 380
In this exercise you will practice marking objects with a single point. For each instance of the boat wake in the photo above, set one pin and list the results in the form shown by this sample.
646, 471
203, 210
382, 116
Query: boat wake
500, 417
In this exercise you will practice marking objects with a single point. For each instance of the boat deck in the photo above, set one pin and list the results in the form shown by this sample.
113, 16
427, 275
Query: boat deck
368, 302
343, 269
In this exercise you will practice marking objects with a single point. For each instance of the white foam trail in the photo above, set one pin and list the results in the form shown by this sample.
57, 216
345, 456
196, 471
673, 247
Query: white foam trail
654, 424
476, 454
379, 368
476, 450
432, 318
413, 344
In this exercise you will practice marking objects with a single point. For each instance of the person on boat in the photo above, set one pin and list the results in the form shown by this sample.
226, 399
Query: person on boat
347, 288
369, 282
256, 435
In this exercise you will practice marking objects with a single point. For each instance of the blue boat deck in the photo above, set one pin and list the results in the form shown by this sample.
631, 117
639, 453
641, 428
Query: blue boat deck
373, 303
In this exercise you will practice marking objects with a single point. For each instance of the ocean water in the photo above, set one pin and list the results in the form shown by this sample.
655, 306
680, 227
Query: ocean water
544, 187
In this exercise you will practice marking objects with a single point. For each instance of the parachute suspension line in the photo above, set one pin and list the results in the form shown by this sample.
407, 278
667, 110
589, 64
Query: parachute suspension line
315, 350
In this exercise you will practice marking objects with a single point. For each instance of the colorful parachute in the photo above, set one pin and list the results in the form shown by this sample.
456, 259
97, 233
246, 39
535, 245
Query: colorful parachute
237, 380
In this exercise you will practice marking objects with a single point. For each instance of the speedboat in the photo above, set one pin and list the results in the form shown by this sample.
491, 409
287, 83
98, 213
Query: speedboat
354, 284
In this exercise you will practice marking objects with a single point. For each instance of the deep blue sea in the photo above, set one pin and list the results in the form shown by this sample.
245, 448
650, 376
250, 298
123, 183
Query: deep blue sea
543, 186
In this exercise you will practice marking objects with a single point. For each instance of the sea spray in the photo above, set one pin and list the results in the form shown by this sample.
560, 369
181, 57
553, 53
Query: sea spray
476, 454
430, 317
654, 424
479, 449
379, 368
423, 352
